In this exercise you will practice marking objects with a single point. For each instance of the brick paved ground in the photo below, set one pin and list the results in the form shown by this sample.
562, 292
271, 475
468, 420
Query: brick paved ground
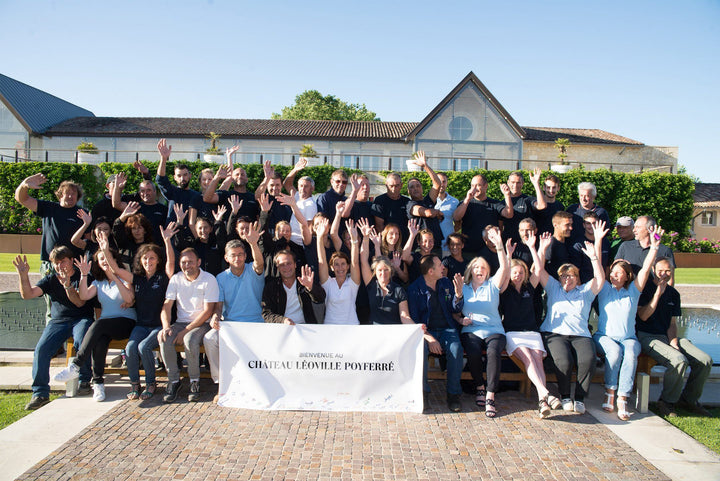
205, 442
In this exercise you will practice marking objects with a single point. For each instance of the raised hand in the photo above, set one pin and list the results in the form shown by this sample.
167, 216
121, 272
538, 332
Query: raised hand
253, 235
495, 237
471, 192
375, 238
355, 182
84, 216
396, 259
306, 278
120, 180
231, 150
413, 227
530, 241
285, 199
323, 228
223, 172
130, 209
350, 226
420, 159
235, 204
219, 213
21, 264
180, 213
364, 226
340, 208
264, 202
589, 250
656, 233
545, 241
300, 164
458, 283
504, 189
164, 149
35, 181
140, 167
510, 247
168, 232
268, 169
102, 239
599, 229
535, 176
83, 264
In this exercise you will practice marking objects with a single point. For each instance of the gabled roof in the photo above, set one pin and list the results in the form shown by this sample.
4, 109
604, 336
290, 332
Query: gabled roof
469, 78
577, 136
244, 128
36, 110
707, 195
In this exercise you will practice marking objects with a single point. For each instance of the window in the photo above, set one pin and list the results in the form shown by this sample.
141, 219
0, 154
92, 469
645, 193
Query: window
709, 218
460, 128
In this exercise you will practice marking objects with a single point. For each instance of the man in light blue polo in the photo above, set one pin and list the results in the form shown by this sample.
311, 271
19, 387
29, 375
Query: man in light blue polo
241, 287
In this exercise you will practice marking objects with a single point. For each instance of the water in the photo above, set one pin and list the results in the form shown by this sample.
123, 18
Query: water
702, 327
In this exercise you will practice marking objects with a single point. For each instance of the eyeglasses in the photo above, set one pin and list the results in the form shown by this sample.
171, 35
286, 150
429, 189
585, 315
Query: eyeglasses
338, 181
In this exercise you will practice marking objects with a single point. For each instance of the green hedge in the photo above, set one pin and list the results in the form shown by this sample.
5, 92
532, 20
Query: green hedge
666, 197
15, 219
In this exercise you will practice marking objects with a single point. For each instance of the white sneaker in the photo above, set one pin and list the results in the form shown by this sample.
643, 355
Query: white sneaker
567, 404
98, 392
69, 373
579, 407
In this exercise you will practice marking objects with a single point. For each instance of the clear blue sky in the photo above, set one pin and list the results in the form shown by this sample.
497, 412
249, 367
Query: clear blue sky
647, 70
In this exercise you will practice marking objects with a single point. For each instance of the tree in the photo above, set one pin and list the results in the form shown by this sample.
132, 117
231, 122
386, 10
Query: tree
311, 105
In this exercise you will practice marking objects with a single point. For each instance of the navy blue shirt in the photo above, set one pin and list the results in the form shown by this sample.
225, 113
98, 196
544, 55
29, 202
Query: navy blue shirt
149, 297
385, 309
480, 213
58, 226
430, 223
61, 308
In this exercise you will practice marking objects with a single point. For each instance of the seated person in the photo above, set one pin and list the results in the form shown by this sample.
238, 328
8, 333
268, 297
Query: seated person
288, 298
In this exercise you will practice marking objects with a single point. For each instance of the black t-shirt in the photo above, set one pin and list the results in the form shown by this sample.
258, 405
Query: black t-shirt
586, 269
362, 210
175, 195
480, 213
558, 254
430, 223
518, 308
454, 266
149, 298
543, 218
58, 226
61, 308
249, 206
579, 211
157, 215
385, 309
667, 308
522, 209
392, 211
491, 258
522, 252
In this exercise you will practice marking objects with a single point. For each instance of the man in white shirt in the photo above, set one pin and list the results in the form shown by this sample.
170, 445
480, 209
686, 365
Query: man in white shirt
303, 197
196, 293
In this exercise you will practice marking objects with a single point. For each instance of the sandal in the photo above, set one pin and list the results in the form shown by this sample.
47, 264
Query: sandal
490, 410
149, 391
544, 407
134, 393
609, 403
623, 414
480, 398
554, 402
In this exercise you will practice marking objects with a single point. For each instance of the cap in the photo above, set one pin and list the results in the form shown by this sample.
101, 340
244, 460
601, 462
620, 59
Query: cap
625, 221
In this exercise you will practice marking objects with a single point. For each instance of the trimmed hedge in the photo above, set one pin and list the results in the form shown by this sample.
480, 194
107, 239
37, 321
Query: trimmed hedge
667, 197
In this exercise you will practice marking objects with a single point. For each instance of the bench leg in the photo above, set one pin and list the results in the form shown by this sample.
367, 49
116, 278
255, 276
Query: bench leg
642, 382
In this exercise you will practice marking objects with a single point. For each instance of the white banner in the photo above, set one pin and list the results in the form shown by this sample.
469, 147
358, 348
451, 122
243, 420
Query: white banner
316, 367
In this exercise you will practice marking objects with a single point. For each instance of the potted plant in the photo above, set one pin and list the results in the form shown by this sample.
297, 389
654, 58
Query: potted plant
562, 144
88, 153
411, 165
308, 152
213, 154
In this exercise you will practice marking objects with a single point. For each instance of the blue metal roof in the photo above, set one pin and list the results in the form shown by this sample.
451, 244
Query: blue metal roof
35, 109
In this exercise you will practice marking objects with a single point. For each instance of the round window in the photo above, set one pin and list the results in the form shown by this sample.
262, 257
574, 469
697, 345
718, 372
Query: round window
460, 128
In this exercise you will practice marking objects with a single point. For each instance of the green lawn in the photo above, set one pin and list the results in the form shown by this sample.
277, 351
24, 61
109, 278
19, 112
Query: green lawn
12, 406
698, 275
705, 430
7, 266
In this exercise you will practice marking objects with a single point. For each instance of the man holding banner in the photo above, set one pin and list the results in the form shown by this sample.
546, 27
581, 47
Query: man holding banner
432, 299
240, 290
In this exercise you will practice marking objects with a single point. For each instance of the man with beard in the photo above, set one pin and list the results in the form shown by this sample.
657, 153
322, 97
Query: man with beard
543, 218
523, 205
182, 193
153, 211
248, 205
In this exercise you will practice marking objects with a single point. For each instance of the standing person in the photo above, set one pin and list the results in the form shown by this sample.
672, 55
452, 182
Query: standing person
565, 329
341, 291
69, 316
116, 320
387, 299
180, 194
327, 201
391, 207
195, 292
150, 283
585, 266
60, 219
446, 204
482, 327
432, 301
517, 302
561, 250
303, 196
271, 187
635, 251
289, 298
248, 205
624, 227
523, 205
543, 217
155, 212
587, 193
200, 208
657, 332
421, 208
240, 289
477, 211
615, 335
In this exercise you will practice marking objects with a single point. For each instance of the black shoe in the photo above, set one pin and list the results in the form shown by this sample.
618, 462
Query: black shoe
695, 408
36, 402
194, 395
84, 389
171, 392
665, 409
453, 401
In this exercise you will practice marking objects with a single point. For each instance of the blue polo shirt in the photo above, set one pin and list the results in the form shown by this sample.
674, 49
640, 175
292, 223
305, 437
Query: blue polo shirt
617, 311
241, 295
567, 312
481, 305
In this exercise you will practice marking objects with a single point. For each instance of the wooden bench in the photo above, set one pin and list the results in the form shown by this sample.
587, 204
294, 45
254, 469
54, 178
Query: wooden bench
122, 370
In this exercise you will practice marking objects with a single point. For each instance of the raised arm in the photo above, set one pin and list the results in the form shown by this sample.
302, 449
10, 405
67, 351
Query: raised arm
210, 195
355, 274
116, 191
507, 211
77, 238
536, 265
462, 206
335, 226
83, 265
253, 238
407, 249
289, 200
642, 277
269, 172
502, 275
350, 201
164, 150
26, 290
104, 246
421, 161
594, 252
22, 192
365, 252
323, 228
167, 234
542, 274
540, 203
289, 182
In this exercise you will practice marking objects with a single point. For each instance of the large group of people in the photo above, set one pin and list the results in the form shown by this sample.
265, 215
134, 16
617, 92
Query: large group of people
482, 276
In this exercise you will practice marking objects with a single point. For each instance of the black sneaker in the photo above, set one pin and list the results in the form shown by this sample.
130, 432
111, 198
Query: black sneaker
171, 392
695, 408
84, 389
36, 402
665, 408
194, 395
453, 401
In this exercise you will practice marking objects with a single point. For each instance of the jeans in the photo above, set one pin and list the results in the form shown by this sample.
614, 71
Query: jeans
97, 340
192, 341
449, 340
474, 347
567, 351
140, 346
53, 337
676, 361
620, 362
47, 268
